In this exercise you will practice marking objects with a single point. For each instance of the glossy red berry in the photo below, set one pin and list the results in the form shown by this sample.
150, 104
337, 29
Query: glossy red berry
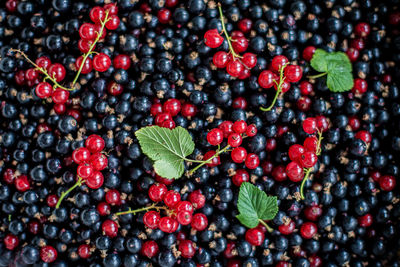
149, 249
364, 135
252, 161
287, 228
48, 254
239, 44
11, 241
308, 159
234, 68
43, 62
312, 213
87, 66
187, 249
197, 199
98, 161
284, 87
113, 23
215, 137
365, 220
212, 38
279, 173
97, 14
306, 88
308, 52
164, 15
238, 154
240, 177
294, 171
157, 192
311, 144
353, 54
221, 59
84, 170
360, 86
95, 181
322, 123
172, 106
87, 31
308, 230
266, 79
109, 228
57, 71
184, 217
310, 125
255, 236
293, 73
251, 130
188, 110
84, 45
113, 197
52, 200
362, 29
151, 219
295, 151
112, 8
172, 198
234, 140
167, 224
101, 62
94, 143
278, 62
31, 74
387, 182
199, 222
104, 208
122, 62
81, 155
44, 90
226, 127
160, 118
245, 25
249, 60
239, 127
215, 161
22, 183
239, 103
184, 206
84, 251
60, 96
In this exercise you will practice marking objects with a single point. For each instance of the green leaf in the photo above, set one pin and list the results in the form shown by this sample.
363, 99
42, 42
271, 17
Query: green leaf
254, 205
338, 68
167, 148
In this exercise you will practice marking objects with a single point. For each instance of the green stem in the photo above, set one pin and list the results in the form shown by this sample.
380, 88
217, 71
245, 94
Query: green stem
269, 229
228, 38
218, 152
85, 56
152, 206
64, 194
319, 150
278, 90
317, 75
195, 161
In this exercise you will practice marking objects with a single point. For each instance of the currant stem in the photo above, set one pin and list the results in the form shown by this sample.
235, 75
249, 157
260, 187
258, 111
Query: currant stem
218, 152
228, 38
317, 75
308, 171
64, 194
85, 56
152, 206
278, 90
42, 70
269, 229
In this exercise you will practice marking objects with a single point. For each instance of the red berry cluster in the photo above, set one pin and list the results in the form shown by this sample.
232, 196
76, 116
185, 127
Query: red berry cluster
234, 133
20, 181
178, 211
91, 161
165, 112
304, 157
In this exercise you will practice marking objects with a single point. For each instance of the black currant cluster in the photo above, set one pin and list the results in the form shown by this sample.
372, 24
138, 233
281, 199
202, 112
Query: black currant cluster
150, 65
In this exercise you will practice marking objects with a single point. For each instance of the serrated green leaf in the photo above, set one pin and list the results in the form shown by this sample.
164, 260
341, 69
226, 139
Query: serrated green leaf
248, 221
167, 148
340, 81
254, 205
318, 61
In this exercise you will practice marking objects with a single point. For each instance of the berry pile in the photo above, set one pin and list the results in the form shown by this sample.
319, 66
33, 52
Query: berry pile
147, 133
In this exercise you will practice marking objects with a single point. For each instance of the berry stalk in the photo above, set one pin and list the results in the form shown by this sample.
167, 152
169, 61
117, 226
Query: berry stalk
269, 229
64, 194
308, 171
218, 152
130, 211
317, 75
278, 89
228, 38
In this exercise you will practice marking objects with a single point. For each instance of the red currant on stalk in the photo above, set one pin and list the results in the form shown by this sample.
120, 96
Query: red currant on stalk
239, 44
238, 154
251, 130
308, 159
294, 171
60, 96
167, 224
81, 155
84, 45
31, 74
215, 137
97, 14
149, 249
212, 38
252, 161
295, 151
171, 198
112, 8
234, 68
157, 192
87, 66
43, 62
226, 127
84, 171
184, 217
99, 161
57, 71
310, 125
101, 62
234, 140
239, 127
94, 143
184, 206
249, 60
187, 249
310, 144
255, 236
112, 23
214, 162
278, 62
87, 31
151, 219
293, 73
95, 181
266, 79
221, 59
43, 90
